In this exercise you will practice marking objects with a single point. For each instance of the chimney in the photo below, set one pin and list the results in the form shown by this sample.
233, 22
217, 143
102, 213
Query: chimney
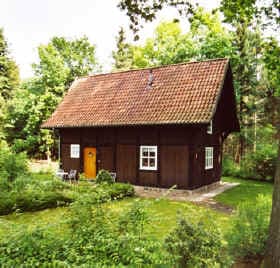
150, 79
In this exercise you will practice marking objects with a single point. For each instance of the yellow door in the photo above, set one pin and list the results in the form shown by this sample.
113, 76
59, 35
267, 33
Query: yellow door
90, 162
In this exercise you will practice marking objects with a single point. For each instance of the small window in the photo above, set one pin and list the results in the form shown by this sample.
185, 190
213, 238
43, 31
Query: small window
75, 151
148, 157
210, 128
208, 157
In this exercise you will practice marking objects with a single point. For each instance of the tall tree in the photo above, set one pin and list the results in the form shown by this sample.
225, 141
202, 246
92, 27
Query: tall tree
206, 39
60, 62
123, 55
9, 74
271, 60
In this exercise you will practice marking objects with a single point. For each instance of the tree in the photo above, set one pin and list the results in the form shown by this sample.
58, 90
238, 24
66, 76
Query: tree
271, 58
9, 74
206, 39
60, 62
123, 55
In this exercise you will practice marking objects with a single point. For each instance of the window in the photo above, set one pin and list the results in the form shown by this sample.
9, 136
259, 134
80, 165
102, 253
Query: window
148, 157
208, 157
210, 128
75, 151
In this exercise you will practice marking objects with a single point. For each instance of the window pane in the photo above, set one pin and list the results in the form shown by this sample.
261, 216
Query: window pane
152, 153
145, 152
152, 162
145, 162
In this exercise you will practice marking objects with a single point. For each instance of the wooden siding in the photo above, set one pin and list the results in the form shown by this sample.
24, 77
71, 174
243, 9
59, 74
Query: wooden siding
126, 163
174, 166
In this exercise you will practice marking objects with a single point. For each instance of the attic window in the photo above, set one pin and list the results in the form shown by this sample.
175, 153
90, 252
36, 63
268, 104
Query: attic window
210, 128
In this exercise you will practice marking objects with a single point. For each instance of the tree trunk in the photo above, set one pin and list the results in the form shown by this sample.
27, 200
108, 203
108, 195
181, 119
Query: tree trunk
273, 247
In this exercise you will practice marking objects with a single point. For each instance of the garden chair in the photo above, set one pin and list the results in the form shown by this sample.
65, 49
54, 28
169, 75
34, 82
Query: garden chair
113, 175
72, 175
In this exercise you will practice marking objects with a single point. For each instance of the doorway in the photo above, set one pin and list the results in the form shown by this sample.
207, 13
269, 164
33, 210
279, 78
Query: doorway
90, 162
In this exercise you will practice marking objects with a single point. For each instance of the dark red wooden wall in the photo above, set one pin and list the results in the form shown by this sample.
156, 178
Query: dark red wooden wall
181, 148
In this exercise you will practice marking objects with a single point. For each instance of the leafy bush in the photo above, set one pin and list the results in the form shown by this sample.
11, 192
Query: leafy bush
230, 168
249, 232
11, 165
37, 248
94, 240
195, 244
259, 165
104, 176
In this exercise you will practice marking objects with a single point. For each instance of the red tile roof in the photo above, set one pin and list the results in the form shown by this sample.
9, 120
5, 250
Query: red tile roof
180, 94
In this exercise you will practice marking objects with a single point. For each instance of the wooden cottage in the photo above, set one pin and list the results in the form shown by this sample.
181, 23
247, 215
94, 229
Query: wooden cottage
159, 126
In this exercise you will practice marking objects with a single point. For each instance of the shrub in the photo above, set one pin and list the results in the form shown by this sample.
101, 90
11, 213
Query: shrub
249, 232
104, 176
195, 244
36, 248
94, 240
119, 190
11, 165
230, 168
260, 164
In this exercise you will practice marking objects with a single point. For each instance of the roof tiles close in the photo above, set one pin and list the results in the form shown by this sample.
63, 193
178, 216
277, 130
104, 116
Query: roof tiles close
180, 94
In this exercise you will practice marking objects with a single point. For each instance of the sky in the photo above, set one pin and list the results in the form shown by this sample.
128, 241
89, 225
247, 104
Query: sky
29, 23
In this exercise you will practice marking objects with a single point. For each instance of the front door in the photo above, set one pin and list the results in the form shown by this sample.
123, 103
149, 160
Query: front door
90, 162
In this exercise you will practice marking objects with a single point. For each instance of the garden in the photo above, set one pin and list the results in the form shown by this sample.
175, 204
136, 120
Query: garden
46, 222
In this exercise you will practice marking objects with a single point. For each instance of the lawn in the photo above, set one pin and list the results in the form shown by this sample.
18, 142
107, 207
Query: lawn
246, 191
163, 213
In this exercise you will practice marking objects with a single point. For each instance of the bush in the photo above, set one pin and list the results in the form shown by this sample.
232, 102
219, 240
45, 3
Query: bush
230, 168
249, 232
259, 165
94, 240
11, 165
104, 176
196, 244
119, 190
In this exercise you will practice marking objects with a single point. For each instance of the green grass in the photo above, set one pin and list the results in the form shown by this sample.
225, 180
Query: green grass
162, 212
246, 191
51, 218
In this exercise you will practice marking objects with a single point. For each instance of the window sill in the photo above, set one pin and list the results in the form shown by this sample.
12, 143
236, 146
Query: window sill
147, 169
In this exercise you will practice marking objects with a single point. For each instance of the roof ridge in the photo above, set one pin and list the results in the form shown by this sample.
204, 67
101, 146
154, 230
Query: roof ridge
153, 67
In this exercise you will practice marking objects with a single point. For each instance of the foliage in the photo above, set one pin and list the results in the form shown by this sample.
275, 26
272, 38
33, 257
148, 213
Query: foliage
21, 191
249, 232
12, 165
123, 55
94, 240
9, 73
60, 62
206, 39
146, 10
104, 176
195, 244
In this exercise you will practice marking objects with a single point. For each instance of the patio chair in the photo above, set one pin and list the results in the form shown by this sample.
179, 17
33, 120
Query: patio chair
72, 175
113, 175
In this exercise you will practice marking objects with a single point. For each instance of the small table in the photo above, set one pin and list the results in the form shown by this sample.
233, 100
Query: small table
62, 174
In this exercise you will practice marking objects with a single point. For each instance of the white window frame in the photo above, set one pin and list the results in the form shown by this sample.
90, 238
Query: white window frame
75, 151
209, 157
152, 148
210, 128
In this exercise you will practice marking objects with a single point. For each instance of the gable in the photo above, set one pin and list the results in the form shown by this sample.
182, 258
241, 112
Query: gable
179, 94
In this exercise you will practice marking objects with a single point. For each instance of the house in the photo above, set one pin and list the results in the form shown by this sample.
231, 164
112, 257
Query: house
160, 126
